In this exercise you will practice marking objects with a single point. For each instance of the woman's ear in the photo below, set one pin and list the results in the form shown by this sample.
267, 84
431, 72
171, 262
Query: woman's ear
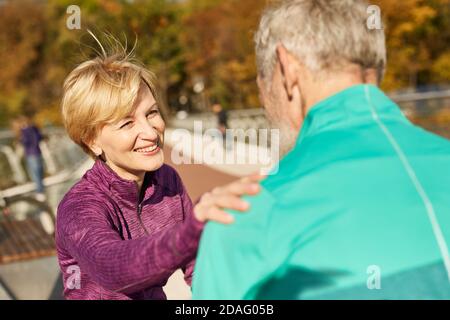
95, 148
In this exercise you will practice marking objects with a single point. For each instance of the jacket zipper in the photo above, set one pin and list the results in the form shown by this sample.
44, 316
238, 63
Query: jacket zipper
139, 211
139, 214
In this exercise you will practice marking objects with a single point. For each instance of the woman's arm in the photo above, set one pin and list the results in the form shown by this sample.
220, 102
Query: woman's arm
119, 265
211, 205
188, 210
188, 271
128, 266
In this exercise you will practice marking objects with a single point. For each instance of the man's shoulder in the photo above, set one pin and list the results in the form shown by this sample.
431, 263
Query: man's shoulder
284, 173
425, 139
262, 208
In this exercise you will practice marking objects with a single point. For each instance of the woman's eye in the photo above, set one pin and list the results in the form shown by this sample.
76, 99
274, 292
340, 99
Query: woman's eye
126, 124
153, 112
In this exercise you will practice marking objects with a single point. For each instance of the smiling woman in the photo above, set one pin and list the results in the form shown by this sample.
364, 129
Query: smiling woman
132, 146
129, 223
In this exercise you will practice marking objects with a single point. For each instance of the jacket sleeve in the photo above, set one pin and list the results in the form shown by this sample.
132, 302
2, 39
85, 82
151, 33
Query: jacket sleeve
119, 265
188, 210
188, 271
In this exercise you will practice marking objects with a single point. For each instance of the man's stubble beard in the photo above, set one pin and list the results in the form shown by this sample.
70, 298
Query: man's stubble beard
287, 135
278, 120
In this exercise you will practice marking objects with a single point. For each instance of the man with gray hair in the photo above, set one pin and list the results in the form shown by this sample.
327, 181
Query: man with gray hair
360, 206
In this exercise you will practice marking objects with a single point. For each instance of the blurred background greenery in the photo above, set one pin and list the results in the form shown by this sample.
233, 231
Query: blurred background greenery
192, 45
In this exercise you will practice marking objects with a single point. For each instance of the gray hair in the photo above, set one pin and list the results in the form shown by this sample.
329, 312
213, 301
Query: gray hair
326, 35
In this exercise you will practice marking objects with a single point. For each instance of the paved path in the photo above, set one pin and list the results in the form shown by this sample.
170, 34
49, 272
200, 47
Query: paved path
198, 179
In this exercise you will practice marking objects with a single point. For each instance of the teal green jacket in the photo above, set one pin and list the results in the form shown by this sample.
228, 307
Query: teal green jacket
359, 209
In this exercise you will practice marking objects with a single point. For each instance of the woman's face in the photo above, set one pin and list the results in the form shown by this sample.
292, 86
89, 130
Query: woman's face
133, 145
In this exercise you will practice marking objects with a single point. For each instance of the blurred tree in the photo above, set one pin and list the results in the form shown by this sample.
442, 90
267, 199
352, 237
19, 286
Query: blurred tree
185, 40
418, 37
22, 29
157, 25
220, 41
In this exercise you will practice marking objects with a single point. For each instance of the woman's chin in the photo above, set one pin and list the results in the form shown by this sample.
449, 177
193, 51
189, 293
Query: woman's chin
152, 164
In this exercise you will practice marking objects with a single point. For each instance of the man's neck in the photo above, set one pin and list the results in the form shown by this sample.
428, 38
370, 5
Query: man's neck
324, 88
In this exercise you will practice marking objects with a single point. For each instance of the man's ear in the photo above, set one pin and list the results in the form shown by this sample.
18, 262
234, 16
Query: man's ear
288, 69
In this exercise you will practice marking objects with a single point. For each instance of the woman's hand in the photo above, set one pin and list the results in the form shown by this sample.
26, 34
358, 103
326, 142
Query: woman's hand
212, 204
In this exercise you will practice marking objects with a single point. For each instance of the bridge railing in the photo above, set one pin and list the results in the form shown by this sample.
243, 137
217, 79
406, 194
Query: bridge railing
61, 156
418, 106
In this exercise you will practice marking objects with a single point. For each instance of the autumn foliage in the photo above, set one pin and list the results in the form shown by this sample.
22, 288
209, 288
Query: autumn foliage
183, 41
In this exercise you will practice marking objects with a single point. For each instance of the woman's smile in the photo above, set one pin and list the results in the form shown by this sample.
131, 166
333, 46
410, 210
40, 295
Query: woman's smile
149, 150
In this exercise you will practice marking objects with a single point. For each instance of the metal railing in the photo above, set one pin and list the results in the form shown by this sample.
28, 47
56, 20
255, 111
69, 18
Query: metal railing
62, 161
62, 157
410, 103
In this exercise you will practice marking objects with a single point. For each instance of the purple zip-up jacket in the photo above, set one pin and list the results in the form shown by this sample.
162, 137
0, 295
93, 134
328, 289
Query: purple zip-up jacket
113, 245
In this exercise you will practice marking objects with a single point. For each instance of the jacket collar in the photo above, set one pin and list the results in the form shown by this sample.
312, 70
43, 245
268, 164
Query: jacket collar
355, 106
123, 189
352, 106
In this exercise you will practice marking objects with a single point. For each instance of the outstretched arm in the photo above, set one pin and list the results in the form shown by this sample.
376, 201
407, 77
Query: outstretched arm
125, 266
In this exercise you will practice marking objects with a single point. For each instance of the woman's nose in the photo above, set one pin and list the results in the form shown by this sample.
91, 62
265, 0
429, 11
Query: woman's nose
147, 131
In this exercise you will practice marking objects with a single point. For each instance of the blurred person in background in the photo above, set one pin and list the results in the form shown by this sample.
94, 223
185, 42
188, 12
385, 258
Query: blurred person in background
222, 117
360, 206
29, 135
222, 124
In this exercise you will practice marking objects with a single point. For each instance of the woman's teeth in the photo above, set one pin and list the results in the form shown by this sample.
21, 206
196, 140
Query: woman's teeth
148, 149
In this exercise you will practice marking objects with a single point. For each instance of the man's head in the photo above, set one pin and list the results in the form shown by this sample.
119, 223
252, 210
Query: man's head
216, 107
308, 49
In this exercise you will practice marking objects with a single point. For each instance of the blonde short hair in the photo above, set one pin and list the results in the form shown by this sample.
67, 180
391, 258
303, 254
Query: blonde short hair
101, 91
325, 34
